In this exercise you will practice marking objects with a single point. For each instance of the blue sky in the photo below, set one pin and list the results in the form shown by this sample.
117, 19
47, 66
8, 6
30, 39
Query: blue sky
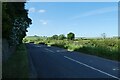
85, 19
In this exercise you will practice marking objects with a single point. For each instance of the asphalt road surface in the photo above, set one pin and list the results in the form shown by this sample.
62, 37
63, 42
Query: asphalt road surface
54, 62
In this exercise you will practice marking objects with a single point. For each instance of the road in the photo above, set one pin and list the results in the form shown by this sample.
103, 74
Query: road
54, 62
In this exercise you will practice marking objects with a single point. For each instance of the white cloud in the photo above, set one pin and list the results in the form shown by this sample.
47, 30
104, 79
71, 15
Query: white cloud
97, 12
32, 10
42, 11
43, 22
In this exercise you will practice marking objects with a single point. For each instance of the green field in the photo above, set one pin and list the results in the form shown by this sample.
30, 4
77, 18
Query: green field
106, 48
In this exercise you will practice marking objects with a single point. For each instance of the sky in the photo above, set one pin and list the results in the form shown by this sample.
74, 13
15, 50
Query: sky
85, 19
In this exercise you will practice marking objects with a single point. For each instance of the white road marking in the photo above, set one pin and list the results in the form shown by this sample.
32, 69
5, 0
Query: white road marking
38, 46
61, 51
116, 69
49, 50
92, 67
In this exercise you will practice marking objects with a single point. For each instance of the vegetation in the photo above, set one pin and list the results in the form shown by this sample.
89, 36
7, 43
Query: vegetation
17, 65
58, 37
106, 48
70, 36
61, 37
15, 22
54, 37
103, 35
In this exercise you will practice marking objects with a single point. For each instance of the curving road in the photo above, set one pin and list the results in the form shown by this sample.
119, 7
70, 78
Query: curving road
54, 62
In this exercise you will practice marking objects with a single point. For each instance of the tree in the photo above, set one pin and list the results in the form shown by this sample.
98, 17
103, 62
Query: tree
61, 37
70, 36
15, 22
103, 35
55, 37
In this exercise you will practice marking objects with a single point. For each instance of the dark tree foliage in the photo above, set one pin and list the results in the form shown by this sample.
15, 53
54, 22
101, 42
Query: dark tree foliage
54, 37
15, 21
70, 36
61, 37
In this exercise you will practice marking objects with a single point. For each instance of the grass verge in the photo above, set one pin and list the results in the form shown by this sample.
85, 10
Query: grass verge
98, 49
17, 65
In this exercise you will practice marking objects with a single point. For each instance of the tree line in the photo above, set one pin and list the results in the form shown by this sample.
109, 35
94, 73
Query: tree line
70, 36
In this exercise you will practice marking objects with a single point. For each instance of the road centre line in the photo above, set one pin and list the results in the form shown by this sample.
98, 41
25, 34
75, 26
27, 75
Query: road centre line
92, 67
49, 50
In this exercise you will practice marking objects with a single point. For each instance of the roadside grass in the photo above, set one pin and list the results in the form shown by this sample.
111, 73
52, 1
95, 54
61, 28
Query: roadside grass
101, 52
106, 48
17, 65
103, 48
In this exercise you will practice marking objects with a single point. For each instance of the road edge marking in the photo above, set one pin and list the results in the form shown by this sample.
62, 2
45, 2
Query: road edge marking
92, 67
49, 50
